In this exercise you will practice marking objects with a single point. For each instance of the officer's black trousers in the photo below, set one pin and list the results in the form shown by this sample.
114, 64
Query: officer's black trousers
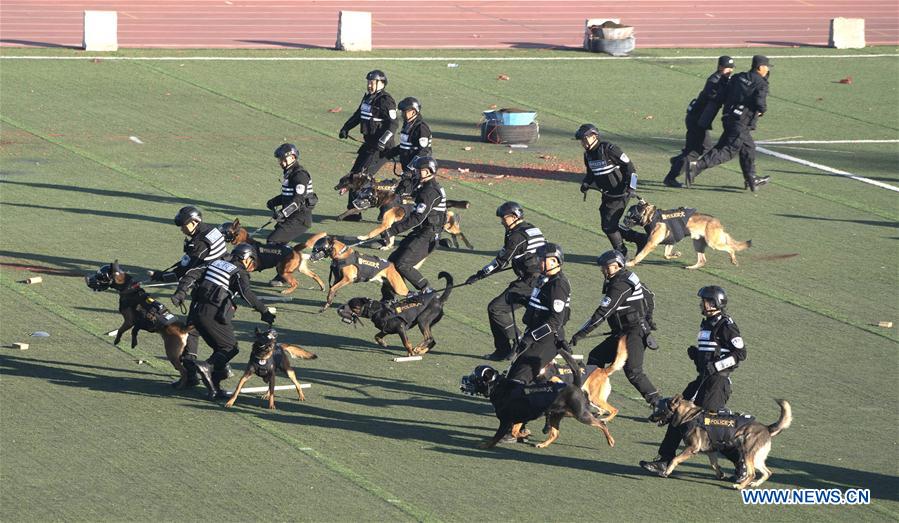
736, 140
369, 159
604, 354
534, 355
288, 230
711, 394
500, 312
697, 142
610, 212
219, 336
413, 249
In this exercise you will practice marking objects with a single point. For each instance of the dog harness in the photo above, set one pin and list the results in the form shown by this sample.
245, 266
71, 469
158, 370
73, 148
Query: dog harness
721, 426
154, 315
265, 367
563, 372
271, 255
539, 396
367, 267
675, 220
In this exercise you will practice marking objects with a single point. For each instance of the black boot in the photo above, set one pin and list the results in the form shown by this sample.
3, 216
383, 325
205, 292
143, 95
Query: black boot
754, 182
657, 466
218, 376
204, 369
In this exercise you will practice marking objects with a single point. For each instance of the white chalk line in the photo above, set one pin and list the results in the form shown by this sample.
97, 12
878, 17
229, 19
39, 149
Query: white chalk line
422, 58
826, 169
820, 142
250, 390
816, 149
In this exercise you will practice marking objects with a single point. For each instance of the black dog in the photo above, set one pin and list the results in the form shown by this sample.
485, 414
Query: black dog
141, 312
516, 404
424, 310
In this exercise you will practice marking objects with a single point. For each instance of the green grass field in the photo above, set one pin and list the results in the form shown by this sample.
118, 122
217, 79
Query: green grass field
88, 433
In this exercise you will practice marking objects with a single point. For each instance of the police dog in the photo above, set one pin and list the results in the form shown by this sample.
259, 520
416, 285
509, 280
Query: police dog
267, 357
395, 214
704, 229
141, 312
516, 404
423, 310
753, 438
288, 260
343, 274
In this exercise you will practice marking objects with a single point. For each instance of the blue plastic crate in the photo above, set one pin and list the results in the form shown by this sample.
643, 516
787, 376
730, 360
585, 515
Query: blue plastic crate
511, 116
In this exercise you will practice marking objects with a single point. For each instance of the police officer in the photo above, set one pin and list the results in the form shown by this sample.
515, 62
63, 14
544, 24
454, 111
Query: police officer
297, 198
701, 112
415, 135
718, 352
610, 171
519, 248
204, 243
376, 116
746, 101
211, 310
549, 308
425, 221
627, 305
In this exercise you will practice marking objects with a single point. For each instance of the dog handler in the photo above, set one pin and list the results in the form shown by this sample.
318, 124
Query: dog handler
425, 221
519, 247
376, 116
627, 305
297, 198
204, 244
611, 172
718, 351
548, 311
211, 310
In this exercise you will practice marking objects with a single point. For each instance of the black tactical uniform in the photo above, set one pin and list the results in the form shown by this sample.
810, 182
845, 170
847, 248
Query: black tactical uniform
548, 310
519, 247
627, 306
746, 101
610, 171
415, 137
296, 200
206, 244
718, 352
701, 112
377, 118
425, 222
211, 311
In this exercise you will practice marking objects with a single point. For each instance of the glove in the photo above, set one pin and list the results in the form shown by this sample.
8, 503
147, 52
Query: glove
578, 336
268, 317
585, 188
156, 275
343, 134
652, 324
178, 298
692, 352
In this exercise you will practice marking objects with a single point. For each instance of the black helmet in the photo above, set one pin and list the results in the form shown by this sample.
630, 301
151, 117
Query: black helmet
245, 251
508, 208
610, 257
409, 103
186, 214
586, 129
714, 294
321, 249
287, 148
103, 278
425, 162
377, 74
551, 250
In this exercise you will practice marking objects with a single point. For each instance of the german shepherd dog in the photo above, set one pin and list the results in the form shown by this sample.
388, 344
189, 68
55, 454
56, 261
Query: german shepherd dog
292, 259
423, 310
516, 404
704, 229
390, 194
141, 312
596, 385
267, 357
753, 438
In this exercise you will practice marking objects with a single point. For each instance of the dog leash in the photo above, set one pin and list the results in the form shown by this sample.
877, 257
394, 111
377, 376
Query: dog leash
264, 225
363, 242
456, 286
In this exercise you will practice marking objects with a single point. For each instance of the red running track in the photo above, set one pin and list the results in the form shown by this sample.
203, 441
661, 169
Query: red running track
444, 23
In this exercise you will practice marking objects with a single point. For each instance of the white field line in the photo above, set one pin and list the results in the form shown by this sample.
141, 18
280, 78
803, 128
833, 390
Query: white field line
826, 169
820, 142
250, 390
423, 58
816, 149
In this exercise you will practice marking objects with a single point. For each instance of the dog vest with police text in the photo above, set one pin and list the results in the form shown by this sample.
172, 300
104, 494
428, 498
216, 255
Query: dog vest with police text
271, 255
721, 427
675, 220
367, 267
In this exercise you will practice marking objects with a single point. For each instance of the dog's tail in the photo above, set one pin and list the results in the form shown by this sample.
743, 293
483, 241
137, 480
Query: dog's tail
737, 245
458, 204
298, 352
449, 285
620, 356
786, 419
565, 352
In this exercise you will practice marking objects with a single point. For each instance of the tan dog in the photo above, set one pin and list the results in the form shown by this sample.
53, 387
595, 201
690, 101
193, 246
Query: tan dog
291, 260
267, 358
669, 226
395, 214
347, 266
752, 437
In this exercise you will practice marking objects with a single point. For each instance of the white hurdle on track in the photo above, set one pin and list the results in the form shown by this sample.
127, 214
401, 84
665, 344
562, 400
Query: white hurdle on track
250, 390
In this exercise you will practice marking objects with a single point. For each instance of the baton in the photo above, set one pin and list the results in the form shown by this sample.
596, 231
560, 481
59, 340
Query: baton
166, 284
263, 227
351, 245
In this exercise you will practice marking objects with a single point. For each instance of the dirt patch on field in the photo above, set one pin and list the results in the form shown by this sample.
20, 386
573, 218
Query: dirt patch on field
545, 168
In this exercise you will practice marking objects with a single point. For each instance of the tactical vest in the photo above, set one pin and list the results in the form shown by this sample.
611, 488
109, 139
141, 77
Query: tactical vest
269, 256
605, 171
632, 313
410, 308
372, 114
539, 396
540, 303
216, 285
154, 315
267, 366
367, 267
721, 427
676, 222
526, 264
409, 148
214, 238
